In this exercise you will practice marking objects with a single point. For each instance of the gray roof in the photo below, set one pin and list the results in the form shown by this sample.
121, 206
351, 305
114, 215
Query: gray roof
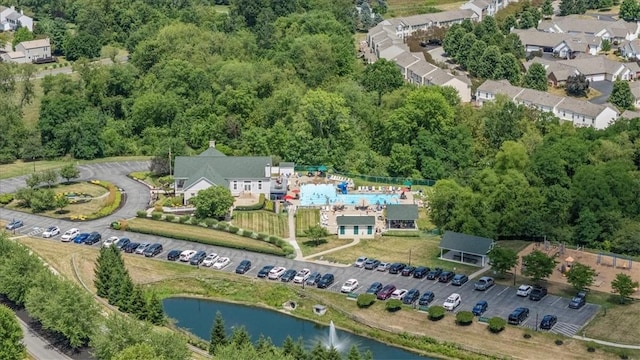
530, 96
422, 68
439, 77
452, 15
219, 169
287, 165
581, 107
594, 65
538, 38
469, 244
405, 59
500, 87
402, 212
345, 220
14, 16
628, 114
211, 151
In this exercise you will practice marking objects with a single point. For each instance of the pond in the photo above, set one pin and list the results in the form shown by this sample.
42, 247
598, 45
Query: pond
197, 315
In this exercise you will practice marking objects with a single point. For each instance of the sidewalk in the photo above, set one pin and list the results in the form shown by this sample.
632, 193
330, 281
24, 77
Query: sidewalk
354, 242
607, 343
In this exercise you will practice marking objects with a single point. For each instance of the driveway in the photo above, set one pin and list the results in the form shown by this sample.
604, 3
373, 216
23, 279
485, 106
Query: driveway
605, 88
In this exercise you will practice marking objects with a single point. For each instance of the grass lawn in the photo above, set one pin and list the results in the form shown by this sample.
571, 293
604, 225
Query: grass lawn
424, 220
561, 92
20, 167
262, 222
413, 7
309, 247
517, 245
31, 111
306, 218
146, 177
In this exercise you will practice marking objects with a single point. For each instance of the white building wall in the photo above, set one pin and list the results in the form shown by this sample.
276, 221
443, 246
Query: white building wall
250, 186
605, 118
362, 232
194, 189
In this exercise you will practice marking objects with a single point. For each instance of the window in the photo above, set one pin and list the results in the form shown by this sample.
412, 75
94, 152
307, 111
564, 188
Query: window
369, 230
259, 184
235, 185
355, 230
342, 230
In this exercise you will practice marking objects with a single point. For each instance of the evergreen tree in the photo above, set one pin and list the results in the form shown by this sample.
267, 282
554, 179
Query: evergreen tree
137, 304
218, 334
368, 355
240, 336
104, 266
621, 96
288, 346
354, 353
547, 9
319, 352
333, 354
536, 77
264, 346
629, 10
155, 312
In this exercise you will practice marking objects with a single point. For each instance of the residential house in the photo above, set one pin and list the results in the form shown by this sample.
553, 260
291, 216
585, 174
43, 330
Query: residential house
583, 113
484, 8
10, 19
17, 57
35, 49
594, 68
559, 44
615, 31
629, 114
405, 26
635, 90
406, 60
362, 227
630, 49
423, 73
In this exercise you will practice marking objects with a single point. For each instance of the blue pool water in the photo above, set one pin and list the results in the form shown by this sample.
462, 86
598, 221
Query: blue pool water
326, 194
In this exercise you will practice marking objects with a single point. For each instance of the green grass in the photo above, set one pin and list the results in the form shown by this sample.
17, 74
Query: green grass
424, 220
306, 218
309, 247
31, 111
414, 7
20, 167
262, 222
517, 245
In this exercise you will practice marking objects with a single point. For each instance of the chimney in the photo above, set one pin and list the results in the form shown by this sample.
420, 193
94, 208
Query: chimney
21, 12
212, 144
267, 171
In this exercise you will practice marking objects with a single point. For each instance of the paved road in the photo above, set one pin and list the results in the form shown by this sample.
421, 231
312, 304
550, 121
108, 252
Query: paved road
38, 347
605, 88
69, 69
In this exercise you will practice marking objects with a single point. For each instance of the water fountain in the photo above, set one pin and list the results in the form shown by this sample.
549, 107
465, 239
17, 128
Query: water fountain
333, 341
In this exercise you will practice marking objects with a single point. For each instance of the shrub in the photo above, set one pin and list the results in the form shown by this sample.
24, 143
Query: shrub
263, 236
497, 324
402, 233
269, 206
393, 305
591, 349
366, 300
141, 214
169, 217
116, 225
184, 219
6, 198
559, 342
211, 222
436, 312
272, 239
248, 233
156, 215
526, 336
591, 346
464, 318
258, 206
233, 229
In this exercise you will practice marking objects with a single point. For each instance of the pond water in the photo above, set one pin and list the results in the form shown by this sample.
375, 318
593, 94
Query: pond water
197, 315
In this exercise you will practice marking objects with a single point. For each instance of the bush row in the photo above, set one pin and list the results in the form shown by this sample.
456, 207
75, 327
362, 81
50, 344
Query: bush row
258, 206
111, 204
5, 199
401, 233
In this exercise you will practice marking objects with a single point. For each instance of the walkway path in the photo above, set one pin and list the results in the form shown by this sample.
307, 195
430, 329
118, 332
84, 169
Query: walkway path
292, 232
37, 347
479, 272
355, 241
607, 343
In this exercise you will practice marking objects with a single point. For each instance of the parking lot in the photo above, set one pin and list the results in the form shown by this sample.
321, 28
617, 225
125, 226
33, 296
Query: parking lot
502, 299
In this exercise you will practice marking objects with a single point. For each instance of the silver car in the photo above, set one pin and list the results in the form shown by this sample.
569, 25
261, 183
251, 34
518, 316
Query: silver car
140, 250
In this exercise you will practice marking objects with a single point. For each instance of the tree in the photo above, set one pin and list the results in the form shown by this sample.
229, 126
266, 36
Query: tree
50, 177
142, 351
240, 337
624, 286
509, 68
218, 334
316, 233
154, 310
137, 303
577, 85
547, 9
11, 346
568, 7
34, 180
82, 45
42, 200
61, 201
402, 161
629, 10
621, 96
22, 34
538, 265
536, 77
354, 353
69, 171
502, 259
606, 45
580, 276
213, 202
383, 77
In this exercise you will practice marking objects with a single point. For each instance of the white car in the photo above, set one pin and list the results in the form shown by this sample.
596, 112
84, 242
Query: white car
360, 261
111, 241
276, 272
210, 259
524, 290
452, 302
399, 294
302, 276
221, 263
350, 285
187, 255
51, 232
69, 234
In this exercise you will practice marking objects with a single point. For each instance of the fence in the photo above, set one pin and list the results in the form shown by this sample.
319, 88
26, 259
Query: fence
388, 180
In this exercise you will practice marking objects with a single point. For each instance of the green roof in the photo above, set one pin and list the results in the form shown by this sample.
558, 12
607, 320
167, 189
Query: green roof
402, 212
287, 164
345, 220
469, 244
219, 169
211, 151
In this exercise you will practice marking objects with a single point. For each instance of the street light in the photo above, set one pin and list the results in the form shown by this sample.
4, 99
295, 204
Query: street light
409, 257
536, 321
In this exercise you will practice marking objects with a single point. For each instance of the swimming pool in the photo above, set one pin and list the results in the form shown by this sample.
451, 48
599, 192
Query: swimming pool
326, 194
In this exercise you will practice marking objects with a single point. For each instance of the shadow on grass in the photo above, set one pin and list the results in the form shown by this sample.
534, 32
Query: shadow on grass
314, 243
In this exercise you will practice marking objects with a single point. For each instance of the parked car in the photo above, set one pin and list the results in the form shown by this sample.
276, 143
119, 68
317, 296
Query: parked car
396, 268
459, 280
480, 308
518, 315
578, 301
243, 267
302, 276
132, 246
221, 263
51, 232
434, 274
371, 264
186, 255
140, 250
349, 286
399, 294
326, 281
411, 297
276, 272
198, 258
548, 321
174, 255
452, 302
524, 290
446, 276
374, 288
288, 275
14, 224
210, 260
484, 283
421, 272
69, 234
386, 292
538, 293
123, 242
80, 238
153, 250
93, 238
110, 241
408, 270
264, 272
313, 279
384, 266
426, 298
360, 261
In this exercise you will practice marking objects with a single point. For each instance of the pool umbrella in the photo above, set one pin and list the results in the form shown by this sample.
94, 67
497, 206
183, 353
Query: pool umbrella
569, 259
363, 202
407, 183
295, 190
322, 168
289, 197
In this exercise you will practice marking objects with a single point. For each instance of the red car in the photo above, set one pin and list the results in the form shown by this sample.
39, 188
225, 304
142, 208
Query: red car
386, 292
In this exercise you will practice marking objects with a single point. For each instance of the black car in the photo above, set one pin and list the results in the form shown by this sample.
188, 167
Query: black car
459, 279
396, 268
243, 267
420, 272
480, 308
434, 274
371, 264
198, 258
153, 250
288, 275
426, 298
313, 278
131, 247
374, 288
174, 255
408, 270
122, 243
446, 276
538, 293
93, 238
518, 315
326, 281
411, 297
548, 321
264, 272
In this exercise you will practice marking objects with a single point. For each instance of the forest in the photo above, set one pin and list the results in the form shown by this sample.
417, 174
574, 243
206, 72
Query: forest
282, 78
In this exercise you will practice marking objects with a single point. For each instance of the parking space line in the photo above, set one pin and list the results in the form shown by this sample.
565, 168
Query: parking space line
501, 292
553, 303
